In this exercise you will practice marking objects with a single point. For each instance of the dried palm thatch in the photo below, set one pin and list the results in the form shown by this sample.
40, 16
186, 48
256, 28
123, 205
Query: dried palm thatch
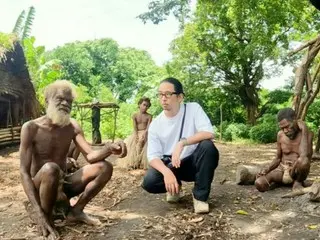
17, 95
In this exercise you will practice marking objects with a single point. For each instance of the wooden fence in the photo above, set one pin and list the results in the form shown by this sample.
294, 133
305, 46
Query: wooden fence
9, 135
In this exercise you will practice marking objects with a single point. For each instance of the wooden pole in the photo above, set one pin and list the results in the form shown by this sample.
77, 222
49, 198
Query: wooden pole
115, 124
221, 119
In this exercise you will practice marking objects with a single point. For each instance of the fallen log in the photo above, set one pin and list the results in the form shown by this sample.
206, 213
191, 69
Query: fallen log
246, 175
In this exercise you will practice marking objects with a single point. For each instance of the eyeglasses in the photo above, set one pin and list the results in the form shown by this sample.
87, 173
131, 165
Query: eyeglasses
165, 94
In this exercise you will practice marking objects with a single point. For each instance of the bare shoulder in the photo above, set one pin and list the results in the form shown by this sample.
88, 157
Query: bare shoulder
279, 135
30, 126
76, 126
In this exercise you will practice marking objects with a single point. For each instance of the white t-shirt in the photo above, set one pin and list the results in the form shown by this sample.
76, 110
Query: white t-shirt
163, 133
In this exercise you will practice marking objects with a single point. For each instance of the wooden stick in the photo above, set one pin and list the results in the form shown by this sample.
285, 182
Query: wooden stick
73, 229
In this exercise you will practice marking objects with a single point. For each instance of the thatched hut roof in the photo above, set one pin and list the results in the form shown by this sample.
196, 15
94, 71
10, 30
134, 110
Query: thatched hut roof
15, 84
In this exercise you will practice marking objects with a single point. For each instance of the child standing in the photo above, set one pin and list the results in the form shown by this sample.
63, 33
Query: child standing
136, 143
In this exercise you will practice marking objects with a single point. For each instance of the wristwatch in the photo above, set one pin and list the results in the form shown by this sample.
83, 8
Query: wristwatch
184, 141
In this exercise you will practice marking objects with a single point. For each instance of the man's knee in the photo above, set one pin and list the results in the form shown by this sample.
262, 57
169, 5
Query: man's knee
51, 170
302, 169
261, 184
210, 150
209, 146
105, 168
150, 181
303, 163
147, 184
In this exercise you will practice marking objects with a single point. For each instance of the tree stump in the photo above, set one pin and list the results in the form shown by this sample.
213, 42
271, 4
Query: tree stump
246, 175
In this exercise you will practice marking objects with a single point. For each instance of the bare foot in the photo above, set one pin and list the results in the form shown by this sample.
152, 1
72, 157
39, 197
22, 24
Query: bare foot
307, 183
297, 185
79, 216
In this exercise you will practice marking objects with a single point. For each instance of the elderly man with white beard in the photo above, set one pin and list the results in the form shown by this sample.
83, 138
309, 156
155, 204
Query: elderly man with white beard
43, 152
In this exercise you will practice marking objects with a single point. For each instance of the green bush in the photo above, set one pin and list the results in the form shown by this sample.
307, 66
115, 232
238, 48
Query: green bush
266, 130
235, 131
264, 133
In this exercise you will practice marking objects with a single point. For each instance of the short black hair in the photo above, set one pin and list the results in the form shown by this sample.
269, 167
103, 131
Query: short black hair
178, 88
144, 99
286, 113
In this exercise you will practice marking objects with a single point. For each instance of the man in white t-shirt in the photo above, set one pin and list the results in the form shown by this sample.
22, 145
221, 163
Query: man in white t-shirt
180, 147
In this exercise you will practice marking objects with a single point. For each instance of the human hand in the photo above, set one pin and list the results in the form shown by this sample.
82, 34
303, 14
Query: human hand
45, 228
175, 159
263, 172
301, 124
72, 164
119, 148
171, 182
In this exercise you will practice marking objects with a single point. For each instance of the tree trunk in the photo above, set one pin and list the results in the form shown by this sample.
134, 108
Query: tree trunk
303, 78
251, 114
96, 135
318, 142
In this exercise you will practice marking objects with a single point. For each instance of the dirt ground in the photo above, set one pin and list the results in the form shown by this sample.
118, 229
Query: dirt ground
127, 212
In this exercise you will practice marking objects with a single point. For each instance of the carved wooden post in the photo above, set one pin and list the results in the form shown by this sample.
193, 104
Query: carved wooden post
96, 135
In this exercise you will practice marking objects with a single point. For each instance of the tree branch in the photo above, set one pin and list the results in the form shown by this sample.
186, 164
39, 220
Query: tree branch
307, 44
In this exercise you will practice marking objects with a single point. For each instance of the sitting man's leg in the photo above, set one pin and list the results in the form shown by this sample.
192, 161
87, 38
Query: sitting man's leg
300, 172
46, 181
263, 183
87, 181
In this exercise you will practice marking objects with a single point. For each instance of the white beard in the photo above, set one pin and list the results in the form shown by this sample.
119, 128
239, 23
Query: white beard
57, 117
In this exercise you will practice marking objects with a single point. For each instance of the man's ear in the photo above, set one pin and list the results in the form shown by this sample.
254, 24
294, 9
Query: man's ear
46, 101
181, 97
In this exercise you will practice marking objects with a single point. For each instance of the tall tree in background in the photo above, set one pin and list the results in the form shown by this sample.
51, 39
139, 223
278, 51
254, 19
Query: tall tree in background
240, 37
101, 63
160, 10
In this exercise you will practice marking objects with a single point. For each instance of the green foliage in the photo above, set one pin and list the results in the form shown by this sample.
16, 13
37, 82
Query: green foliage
229, 43
134, 73
6, 43
273, 101
313, 116
18, 26
160, 10
24, 23
127, 72
236, 131
28, 23
42, 72
266, 130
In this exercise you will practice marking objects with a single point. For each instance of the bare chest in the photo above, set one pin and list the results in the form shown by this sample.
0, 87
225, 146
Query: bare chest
291, 146
52, 144
142, 119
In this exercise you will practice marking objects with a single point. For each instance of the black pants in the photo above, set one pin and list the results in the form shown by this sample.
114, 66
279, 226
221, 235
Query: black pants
198, 167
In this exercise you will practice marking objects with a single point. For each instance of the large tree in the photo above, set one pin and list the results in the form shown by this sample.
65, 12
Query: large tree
240, 37
102, 63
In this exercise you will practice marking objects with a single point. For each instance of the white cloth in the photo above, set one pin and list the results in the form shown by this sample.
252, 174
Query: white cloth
163, 133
